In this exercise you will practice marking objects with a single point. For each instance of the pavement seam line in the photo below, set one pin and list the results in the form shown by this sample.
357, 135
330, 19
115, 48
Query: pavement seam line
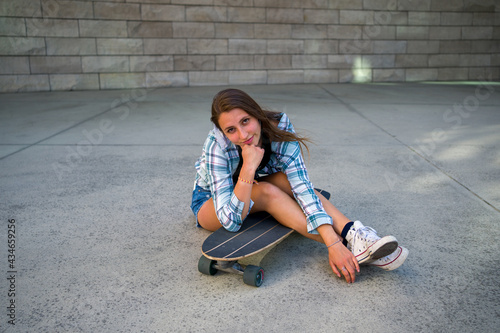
354, 110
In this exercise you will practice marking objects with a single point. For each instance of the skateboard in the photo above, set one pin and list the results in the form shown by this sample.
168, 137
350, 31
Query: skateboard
222, 249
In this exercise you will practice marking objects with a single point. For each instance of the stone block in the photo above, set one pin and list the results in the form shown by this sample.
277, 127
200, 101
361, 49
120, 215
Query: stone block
21, 8
246, 15
166, 79
286, 46
321, 46
408, 33
481, 5
444, 60
389, 46
118, 46
340, 61
282, 15
390, 18
477, 33
52, 65
191, 2
381, 32
117, 11
123, 80
22, 46
475, 60
309, 61
234, 3
454, 46
24, 83
149, 29
321, 16
447, 6
101, 28
380, 4
344, 31
194, 63
309, 31
445, 33
206, 14
423, 47
247, 46
207, 46
67, 9
164, 46
206, 78
412, 5
71, 46
379, 61
411, 60
74, 81
273, 61
52, 27
193, 30
14, 65
484, 74
321, 76
154, 12
421, 74
388, 75
232, 62
356, 17
345, 75
247, 77
345, 4
12, 26
424, 18
234, 30
356, 46
488, 19
273, 31
453, 74
457, 19
285, 76
485, 46
151, 63
105, 64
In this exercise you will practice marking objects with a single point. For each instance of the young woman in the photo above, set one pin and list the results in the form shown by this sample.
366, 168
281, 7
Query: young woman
251, 162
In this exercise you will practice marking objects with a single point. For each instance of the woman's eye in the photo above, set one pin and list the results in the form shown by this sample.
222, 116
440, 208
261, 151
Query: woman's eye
246, 120
231, 130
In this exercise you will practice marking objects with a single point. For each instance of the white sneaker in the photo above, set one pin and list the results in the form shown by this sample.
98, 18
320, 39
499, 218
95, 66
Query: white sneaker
366, 246
393, 260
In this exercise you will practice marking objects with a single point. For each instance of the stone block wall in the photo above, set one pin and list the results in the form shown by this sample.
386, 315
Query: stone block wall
112, 44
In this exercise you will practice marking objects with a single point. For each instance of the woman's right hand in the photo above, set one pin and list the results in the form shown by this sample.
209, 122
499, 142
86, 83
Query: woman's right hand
252, 156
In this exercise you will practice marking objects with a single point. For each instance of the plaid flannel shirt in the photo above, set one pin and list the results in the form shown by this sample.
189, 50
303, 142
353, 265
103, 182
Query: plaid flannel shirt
220, 159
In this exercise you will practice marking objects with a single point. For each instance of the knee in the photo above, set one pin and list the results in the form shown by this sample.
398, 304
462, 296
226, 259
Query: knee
267, 194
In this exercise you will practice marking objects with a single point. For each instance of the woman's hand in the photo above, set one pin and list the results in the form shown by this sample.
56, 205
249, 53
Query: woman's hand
252, 156
343, 261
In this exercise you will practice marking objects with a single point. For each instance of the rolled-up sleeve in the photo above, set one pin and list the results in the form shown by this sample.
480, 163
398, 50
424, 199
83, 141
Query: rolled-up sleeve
228, 207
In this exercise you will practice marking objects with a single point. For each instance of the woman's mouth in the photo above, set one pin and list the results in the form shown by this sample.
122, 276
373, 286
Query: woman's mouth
249, 141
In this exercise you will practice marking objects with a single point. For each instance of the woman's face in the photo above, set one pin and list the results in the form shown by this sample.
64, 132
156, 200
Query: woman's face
240, 127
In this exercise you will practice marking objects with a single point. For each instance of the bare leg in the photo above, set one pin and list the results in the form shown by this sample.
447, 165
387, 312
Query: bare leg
279, 179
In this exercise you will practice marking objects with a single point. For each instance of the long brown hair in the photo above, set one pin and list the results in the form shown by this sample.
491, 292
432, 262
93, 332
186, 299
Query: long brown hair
229, 99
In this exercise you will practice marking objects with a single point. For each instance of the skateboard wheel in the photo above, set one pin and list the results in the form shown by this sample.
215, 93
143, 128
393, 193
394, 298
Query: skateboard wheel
206, 266
253, 275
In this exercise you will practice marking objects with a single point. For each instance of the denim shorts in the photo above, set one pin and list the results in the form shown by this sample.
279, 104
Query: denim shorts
200, 196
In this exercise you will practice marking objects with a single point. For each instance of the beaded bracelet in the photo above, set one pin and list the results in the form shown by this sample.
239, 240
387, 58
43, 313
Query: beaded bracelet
247, 181
333, 244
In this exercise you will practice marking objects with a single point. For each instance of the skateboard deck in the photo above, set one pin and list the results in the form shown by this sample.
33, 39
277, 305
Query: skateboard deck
222, 249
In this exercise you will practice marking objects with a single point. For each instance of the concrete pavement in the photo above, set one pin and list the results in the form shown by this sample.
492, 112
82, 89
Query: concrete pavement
99, 186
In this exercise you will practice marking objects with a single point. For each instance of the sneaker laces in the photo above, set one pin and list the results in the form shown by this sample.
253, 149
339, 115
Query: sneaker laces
365, 233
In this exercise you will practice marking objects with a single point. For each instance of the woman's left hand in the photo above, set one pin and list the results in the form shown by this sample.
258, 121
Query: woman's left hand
343, 261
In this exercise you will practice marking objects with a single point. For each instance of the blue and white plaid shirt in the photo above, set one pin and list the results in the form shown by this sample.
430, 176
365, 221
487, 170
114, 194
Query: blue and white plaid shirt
220, 159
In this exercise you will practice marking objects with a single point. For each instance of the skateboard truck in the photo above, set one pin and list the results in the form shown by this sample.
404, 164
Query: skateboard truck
252, 275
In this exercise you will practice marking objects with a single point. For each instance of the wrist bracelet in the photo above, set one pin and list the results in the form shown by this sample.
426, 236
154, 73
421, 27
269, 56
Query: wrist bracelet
333, 244
246, 181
